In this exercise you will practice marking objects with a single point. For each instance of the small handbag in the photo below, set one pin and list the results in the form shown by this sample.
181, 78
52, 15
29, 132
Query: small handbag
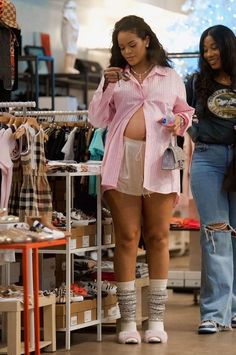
173, 157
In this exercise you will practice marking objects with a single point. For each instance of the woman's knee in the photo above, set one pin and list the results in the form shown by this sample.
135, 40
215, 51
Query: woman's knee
127, 239
156, 238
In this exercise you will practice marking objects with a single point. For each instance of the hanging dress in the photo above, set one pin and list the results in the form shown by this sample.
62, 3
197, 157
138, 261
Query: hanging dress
35, 195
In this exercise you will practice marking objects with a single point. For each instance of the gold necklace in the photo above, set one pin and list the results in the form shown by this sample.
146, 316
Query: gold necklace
140, 75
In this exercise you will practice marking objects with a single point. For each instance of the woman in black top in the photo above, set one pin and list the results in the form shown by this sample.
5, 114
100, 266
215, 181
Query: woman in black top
213, 92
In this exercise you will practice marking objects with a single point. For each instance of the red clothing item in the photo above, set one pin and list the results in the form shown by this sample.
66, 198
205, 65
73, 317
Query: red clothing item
184, 223
116, 105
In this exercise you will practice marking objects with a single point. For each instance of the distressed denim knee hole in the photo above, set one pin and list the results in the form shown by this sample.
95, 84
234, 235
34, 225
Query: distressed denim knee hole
211, 228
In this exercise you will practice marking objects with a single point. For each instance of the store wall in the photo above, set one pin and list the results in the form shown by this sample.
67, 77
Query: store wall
46, 15
41, 16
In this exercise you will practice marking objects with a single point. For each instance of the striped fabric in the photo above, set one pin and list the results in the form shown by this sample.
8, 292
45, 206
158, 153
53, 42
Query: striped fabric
116, 105
1, 7
31, 194
17, 179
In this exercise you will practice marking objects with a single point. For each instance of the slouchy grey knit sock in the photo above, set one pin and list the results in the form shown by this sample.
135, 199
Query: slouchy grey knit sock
157, 298
126, 295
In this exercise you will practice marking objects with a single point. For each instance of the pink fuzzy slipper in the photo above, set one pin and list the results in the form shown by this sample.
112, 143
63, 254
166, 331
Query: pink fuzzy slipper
126, 337
155, 336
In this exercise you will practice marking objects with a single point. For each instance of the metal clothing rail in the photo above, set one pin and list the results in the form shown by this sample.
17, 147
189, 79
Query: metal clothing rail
50, 116
17, 104
51, 113
184, 55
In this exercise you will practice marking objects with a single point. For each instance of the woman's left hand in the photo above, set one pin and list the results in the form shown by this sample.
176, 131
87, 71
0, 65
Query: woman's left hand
174, 128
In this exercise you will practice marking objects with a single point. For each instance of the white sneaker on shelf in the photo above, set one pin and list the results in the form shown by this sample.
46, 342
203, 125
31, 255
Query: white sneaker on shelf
90, 286
106, 287
79, 218
109, 287
76, 298
48, 233
106, 216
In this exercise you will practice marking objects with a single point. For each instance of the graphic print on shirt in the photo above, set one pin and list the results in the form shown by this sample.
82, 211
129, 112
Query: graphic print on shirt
222, 103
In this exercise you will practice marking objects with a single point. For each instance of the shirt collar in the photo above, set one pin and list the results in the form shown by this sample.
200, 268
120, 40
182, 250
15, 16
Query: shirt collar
156, 70
160, 70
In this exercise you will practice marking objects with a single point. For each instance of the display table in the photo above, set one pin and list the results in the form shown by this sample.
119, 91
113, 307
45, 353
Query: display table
26, 248
13, 308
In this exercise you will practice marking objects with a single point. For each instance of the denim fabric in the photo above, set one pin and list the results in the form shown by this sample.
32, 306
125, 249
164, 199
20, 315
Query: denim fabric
218, 274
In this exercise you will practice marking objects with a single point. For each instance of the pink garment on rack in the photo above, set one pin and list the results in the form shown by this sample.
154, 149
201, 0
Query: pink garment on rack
7, 145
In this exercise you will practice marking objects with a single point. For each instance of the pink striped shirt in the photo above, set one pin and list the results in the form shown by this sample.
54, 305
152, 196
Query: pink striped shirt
115, 106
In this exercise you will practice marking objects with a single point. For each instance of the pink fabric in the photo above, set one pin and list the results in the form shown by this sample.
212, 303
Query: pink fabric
115, 106
129, 337
155, 336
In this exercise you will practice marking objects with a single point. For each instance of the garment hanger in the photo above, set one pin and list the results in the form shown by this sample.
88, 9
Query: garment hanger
18, 121
32, 122
5, 117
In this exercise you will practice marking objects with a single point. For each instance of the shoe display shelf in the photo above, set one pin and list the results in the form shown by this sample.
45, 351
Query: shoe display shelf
72, 249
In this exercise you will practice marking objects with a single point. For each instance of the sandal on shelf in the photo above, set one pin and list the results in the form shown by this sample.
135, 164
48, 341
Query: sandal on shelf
8, 219
155, 336
129, 337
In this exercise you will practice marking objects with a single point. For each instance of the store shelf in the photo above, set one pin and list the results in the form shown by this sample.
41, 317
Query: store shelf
49, 83
69, 252
43, 344
34, 79
81, 326
108, 246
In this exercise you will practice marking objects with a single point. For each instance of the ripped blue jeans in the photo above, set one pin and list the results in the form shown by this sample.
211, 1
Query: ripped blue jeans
217, 210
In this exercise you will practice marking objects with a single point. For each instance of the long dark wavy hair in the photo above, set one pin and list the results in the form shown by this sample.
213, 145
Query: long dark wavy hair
226, 42
155, 52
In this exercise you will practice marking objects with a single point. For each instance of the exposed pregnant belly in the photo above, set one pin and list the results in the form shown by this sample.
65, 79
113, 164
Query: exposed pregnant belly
136, 128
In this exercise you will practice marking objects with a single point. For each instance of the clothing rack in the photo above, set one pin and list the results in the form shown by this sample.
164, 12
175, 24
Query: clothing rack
51, 113
13, 104
78, 116
18, 104
6, 268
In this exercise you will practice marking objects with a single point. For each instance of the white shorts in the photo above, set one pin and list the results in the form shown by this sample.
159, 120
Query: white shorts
131, 175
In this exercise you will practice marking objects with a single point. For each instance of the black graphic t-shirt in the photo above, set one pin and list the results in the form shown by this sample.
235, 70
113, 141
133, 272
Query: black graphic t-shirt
218, 124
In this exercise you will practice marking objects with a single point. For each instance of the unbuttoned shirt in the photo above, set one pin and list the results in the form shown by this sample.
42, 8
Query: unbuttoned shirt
113, 109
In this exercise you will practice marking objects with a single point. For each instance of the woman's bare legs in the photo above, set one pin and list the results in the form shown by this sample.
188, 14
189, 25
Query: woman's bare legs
153, 212
157, 210
126, 214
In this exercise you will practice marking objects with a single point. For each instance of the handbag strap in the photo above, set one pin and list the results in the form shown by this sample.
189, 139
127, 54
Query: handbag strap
173, 141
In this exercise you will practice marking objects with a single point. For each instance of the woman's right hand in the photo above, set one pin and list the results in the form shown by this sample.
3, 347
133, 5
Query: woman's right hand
112, 74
